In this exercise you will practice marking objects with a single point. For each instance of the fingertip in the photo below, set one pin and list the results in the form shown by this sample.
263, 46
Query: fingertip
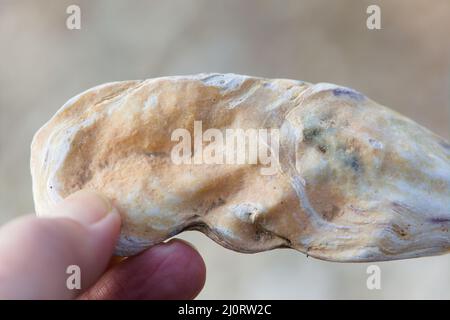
53, 244
84, 206
190, 264
171, 270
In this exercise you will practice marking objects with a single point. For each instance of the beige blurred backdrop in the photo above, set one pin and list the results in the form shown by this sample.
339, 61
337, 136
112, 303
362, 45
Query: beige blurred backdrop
405, 65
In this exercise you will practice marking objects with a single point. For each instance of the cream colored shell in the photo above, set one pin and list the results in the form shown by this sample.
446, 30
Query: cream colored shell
355, 181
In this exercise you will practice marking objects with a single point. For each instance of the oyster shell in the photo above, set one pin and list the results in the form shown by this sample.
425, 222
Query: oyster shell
352, 180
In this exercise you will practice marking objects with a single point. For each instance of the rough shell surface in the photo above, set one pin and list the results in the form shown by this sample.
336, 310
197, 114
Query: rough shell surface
355, 181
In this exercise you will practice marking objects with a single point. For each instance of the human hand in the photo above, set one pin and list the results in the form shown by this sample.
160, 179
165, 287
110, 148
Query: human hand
36, 252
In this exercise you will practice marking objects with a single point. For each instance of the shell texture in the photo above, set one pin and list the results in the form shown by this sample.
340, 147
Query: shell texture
333, 174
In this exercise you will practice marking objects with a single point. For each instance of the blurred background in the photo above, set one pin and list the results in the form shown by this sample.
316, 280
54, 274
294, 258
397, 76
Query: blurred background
405, 66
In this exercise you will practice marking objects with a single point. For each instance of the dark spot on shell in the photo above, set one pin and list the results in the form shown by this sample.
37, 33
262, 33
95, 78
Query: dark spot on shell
262, 234
353, 162
399, 230
445, 144
322, 148
311, 133
338, 92
103, 164
439, 220
331, 213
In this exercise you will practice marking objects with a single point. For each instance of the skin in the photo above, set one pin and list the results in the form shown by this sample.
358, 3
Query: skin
82, 230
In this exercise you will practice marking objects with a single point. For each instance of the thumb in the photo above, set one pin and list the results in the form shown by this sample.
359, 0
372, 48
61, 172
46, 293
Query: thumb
43, 258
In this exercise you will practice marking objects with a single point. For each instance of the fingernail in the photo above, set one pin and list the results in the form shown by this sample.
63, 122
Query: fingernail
85, 206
